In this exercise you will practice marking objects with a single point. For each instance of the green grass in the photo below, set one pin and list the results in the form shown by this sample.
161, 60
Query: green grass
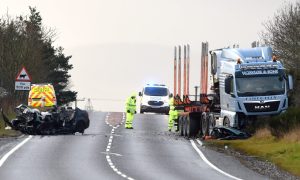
7, 133
284, 154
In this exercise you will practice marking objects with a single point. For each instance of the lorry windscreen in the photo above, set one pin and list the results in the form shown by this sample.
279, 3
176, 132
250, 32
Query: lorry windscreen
260, 86
155, 91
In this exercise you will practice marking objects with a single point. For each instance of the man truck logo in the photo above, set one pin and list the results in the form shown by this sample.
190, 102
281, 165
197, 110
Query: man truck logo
262, 107
262, 102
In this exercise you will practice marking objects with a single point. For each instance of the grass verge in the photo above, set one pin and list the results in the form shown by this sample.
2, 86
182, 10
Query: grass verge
284, 152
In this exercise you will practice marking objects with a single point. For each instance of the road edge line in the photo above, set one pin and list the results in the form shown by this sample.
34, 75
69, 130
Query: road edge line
209, 163
6, 156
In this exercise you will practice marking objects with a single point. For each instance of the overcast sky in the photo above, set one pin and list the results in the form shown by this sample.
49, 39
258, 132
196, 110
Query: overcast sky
119, 45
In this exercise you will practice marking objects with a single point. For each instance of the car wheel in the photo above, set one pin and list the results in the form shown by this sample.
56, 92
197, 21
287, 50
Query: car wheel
80, 127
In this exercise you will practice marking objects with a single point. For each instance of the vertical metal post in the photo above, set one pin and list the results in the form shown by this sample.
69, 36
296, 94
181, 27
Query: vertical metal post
179, 71
188, 70
175, 71
196, 93
184, 71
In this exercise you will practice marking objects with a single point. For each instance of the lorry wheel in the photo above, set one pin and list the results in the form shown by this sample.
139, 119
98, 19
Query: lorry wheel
212, 122
184, 122
204, 124
180, 125
226, 122
188, 127
192, 127
141, 112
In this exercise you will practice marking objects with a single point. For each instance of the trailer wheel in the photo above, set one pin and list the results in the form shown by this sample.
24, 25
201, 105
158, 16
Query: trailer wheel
180, 125
212, 122
183, 125
192, 126
204, 124
226, 122
176, 124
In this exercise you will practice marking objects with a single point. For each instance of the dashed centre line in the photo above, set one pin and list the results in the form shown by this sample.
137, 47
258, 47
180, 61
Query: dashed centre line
109, 145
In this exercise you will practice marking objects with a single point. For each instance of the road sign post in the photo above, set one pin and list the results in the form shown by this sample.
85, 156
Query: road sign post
23, 80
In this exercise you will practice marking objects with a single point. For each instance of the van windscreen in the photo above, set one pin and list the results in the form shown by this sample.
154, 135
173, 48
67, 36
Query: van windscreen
156, 91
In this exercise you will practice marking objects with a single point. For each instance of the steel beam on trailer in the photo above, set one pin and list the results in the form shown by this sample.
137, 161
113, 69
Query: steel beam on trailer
179, 71
175, 71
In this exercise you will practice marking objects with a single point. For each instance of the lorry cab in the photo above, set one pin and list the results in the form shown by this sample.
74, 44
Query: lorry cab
41, 95
252, 83
155, 98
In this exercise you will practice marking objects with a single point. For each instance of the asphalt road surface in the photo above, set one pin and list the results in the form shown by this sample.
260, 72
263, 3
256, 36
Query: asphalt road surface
108, 151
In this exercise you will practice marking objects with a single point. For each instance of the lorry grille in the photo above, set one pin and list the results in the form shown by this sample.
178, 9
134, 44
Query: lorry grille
155, 103
262, 107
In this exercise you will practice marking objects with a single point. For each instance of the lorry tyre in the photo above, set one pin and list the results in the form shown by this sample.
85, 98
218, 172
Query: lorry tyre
226, 122
141, 112
188, 127
176, 124
204, 124
184, 120
180, 125
212, 122
192, 126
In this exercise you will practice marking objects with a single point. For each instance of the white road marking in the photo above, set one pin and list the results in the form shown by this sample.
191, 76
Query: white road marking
109, 145
4, 158
209, 163
201, 144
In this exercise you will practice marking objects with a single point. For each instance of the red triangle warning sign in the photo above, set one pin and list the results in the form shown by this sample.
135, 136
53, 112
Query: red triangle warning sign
23, 75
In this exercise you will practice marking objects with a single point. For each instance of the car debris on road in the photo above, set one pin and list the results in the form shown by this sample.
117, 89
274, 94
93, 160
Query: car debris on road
226, 133
52, 122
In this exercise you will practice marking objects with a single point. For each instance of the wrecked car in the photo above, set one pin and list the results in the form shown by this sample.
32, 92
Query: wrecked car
227, 133
54, 121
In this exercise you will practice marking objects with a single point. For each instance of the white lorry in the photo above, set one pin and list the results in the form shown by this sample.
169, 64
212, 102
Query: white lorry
236, 86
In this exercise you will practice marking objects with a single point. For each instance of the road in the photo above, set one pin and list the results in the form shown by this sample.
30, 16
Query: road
108, 151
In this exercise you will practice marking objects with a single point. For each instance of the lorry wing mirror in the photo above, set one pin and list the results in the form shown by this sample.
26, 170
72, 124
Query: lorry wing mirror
228, 84
171, 95
291, 85
140, 93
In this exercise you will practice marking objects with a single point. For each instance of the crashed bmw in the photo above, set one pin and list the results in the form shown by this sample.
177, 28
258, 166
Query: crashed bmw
51, 122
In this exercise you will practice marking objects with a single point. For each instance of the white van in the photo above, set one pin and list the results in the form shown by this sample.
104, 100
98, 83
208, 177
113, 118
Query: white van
155, 98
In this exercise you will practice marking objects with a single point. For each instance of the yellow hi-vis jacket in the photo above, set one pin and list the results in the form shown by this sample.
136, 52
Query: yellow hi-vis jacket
131, 104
